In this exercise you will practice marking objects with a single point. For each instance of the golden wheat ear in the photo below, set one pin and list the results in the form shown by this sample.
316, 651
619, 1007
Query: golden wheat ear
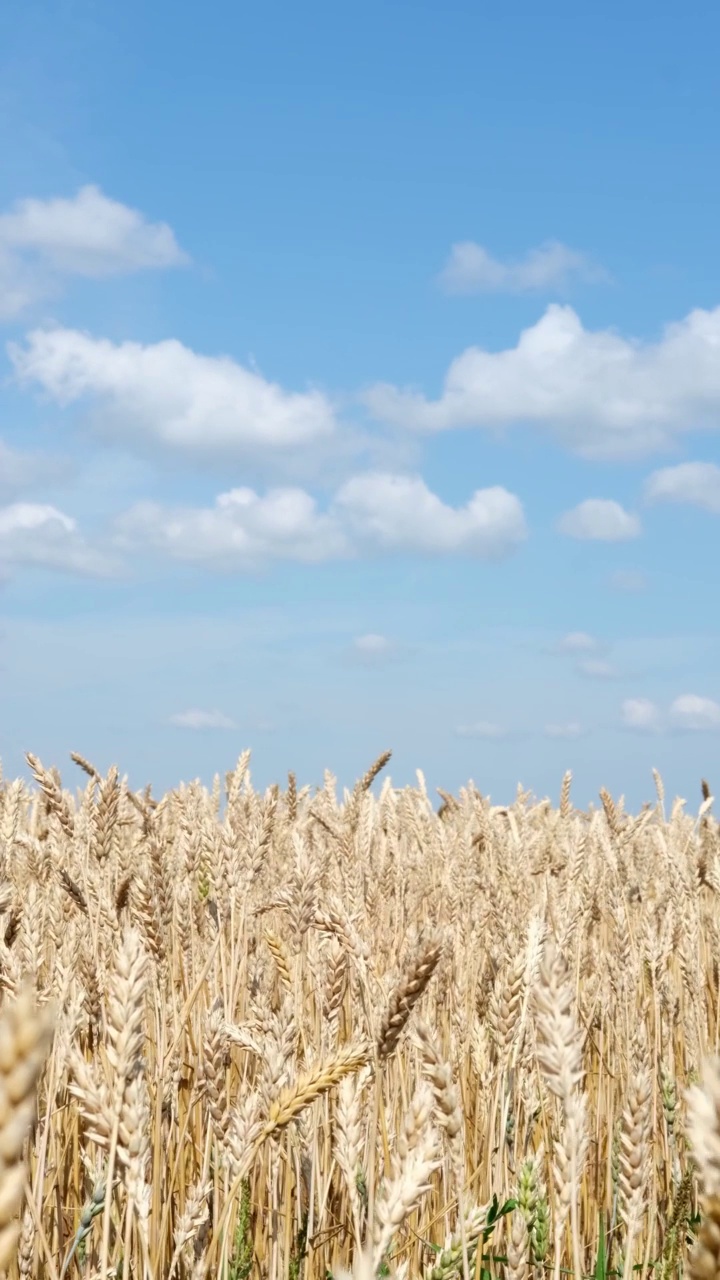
25, 1037
703, 1130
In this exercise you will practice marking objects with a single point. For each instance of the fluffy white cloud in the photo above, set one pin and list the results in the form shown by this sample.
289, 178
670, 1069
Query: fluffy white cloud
23, 517
400, 513
688, 712
692, 712
87, 235
568, 729
600, 393
241, 530
169, 393
600, 520
641, 715
195, 719
694, 483
471, 269
41, 536
373, 512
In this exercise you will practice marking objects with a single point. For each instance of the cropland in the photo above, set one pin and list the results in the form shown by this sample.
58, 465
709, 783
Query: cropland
300, 1034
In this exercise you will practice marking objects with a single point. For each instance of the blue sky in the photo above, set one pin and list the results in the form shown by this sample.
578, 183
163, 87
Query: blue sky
361, 389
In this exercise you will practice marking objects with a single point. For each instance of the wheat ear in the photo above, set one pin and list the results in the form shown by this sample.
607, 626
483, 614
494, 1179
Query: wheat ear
703, 1131
25, 1037
311, 1085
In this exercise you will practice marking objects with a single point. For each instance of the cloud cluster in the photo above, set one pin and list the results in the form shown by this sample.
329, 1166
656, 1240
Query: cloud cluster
599, 520
399, 513
552, 266
375, 512
166, 392
240, 531
88, 235
370, 514
689, 713
603, 395
695, 484
38, 535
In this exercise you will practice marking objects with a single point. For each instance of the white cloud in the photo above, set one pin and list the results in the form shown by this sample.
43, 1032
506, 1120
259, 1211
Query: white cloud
24, 517
201, 720
169, 393
90, 235
601, 520
695, 713
39, 535
569, 729
400, 513
694, 483
597, 669
370, 513
241, 530
481, 729
688, 712
641, 715
578, 642
552, 266
602, 394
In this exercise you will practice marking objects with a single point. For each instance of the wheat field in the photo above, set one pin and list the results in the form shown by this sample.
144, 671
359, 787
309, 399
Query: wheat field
301, 1035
